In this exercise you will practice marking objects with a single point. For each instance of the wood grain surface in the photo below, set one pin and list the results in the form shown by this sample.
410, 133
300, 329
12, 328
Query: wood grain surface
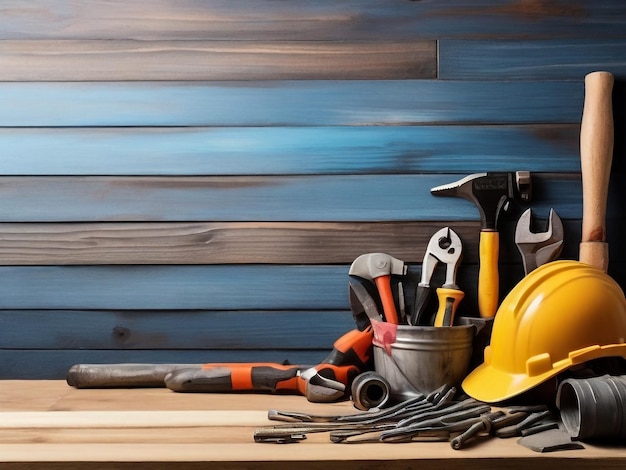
188, 181
268, 20
315, 198
198, 151
287, 103
152, 428
214, 60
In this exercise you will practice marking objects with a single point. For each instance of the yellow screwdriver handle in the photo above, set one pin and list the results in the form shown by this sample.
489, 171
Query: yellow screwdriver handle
488, 281
448, 302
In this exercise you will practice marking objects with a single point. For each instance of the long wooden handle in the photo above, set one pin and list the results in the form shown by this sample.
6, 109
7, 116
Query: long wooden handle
596, 155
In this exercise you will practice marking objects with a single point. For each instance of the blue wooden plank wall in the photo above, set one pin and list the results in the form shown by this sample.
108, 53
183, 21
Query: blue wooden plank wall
188, 181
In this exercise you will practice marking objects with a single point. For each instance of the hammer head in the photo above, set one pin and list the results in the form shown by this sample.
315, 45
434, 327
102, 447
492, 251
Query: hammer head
491, 192
372, 265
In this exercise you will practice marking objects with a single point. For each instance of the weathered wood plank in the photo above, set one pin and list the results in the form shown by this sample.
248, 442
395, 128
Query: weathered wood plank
530, 60
288, 150
302, 20
214, 60
54, 363
211, 287
221, 287
219, 243
250, 242
214, 287
288, 103
341, 198
251, 330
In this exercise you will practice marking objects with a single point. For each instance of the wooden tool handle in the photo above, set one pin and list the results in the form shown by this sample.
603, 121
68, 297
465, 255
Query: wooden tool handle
596, 155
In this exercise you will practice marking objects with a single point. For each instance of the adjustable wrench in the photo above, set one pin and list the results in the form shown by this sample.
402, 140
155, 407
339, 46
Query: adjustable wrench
444, 247
538, 248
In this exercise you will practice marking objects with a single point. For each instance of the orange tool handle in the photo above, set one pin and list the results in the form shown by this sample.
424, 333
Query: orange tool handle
383, 283
353, 348
255, 376
448, 302
488, 281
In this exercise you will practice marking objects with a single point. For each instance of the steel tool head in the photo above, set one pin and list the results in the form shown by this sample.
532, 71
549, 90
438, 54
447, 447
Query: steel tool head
372, 265
538, 248
490, 192
363, 303
320, 389
444, 247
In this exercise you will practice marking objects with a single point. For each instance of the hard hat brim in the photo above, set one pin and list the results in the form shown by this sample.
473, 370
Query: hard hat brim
485, 383
488, 384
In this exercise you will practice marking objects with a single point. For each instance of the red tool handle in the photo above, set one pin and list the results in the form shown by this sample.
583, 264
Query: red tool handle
353, 348
596, 155
383, 283
259, 375
238, 377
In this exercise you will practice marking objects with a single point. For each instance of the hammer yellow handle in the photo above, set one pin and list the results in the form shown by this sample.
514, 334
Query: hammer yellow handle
488, 281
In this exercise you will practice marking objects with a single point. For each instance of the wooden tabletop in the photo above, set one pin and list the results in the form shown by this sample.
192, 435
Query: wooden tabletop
47, 424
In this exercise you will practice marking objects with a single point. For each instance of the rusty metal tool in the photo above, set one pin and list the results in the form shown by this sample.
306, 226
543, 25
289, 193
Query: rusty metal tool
452, 420
378, 268
394, 413
363, 303
444, 247
326, 382
538, 248
129, 375
516, 429
482, 426
491, 422
492, 194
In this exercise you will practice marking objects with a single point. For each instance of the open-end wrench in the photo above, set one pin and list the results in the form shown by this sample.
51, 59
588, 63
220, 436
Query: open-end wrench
444, 247
538, 248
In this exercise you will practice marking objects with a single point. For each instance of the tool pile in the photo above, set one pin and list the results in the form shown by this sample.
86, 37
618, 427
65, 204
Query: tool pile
545, 333
423, 418
554, 328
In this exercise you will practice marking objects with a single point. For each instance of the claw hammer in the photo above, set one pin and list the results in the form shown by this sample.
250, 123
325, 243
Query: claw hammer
596, 154
378, 268
492, 194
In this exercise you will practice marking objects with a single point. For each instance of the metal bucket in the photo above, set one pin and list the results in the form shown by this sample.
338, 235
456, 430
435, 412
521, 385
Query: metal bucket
420, 359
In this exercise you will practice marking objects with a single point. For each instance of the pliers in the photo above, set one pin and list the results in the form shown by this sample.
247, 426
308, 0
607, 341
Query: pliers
444, 247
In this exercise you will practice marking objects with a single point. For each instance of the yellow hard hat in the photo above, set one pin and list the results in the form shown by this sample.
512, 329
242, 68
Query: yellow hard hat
562, 314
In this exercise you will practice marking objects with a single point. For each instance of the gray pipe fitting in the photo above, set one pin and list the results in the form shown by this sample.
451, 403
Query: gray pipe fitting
370, 390
593, 408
